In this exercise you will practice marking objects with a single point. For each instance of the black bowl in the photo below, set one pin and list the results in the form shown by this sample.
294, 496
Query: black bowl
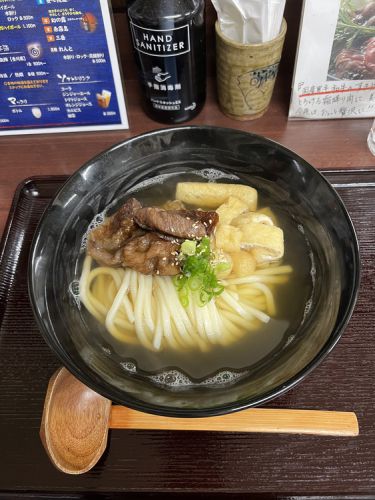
303, 194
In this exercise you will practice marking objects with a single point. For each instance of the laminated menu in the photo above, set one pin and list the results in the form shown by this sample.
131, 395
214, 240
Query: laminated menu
59, 69
334, 74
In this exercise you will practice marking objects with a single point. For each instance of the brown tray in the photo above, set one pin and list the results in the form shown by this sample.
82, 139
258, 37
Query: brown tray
161, 464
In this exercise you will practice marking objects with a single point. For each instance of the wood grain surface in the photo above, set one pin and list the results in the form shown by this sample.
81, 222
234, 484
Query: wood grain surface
325, 143
266, 420
163, 464
74, 427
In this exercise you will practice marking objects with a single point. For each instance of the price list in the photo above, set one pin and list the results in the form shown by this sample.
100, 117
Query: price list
58, 67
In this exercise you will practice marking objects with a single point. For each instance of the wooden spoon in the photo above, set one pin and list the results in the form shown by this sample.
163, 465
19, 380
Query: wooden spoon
74, 428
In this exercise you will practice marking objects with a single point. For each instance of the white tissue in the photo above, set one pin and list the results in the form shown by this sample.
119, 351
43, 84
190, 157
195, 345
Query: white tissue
250, 21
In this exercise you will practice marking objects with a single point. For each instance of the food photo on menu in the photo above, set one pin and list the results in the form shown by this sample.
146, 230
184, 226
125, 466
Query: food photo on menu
339, 81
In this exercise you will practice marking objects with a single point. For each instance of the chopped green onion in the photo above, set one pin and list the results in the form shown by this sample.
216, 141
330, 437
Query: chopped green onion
198, 276
184, 299
188, 247
222, 267
194, 283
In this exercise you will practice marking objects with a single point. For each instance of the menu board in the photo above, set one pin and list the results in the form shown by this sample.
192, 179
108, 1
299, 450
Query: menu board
59, 70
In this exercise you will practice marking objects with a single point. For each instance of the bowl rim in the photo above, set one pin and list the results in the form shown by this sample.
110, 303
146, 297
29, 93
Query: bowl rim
158, 409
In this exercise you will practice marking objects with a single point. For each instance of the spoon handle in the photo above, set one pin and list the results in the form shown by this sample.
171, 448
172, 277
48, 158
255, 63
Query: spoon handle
328, 423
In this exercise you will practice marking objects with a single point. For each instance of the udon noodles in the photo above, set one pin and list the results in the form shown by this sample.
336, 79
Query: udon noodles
141, 302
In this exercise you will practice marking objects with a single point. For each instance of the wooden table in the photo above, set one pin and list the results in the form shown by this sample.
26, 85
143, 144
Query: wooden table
160, 465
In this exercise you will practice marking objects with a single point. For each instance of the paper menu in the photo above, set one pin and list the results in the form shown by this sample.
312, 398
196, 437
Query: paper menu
58, 67
334, 73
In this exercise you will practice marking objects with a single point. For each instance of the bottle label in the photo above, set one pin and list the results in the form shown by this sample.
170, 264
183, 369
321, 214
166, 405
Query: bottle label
161, 43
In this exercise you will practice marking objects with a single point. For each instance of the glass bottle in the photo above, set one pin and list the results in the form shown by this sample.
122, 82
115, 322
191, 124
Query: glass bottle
169, 46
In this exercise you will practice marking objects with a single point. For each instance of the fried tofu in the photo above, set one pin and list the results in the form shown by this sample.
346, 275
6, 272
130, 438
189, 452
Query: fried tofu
244, 263
262, 257
269, 212
213, 194
228, 238
251, 217
229, 210
268, 238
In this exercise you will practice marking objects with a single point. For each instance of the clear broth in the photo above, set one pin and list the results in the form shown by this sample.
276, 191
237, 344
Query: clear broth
253, 349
